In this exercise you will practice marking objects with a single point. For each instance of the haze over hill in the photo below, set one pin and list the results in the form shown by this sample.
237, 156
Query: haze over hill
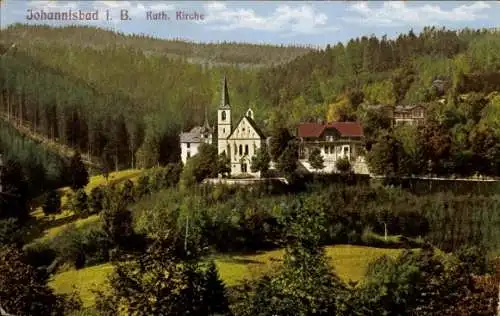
223, 53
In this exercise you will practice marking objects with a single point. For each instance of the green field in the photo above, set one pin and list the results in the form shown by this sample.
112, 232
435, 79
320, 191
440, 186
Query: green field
350, 263
49, 226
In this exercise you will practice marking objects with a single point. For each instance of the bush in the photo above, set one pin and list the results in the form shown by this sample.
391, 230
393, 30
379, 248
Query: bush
82, 246
474, 258
39, 254
96, 200
127, 192
343, 165
80, 202
142, 187
52, 203
24, 289
96, 246
10, 232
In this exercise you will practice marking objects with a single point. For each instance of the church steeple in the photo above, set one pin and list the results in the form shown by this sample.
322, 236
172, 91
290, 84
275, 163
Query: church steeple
224, 126
205, 123
225, 95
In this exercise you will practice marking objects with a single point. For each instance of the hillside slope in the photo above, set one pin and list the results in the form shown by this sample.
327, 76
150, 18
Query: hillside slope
210, 54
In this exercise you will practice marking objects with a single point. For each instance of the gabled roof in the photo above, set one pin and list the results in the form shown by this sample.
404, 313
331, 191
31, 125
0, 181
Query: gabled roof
403, 108
194, 135
345, 129
252, 124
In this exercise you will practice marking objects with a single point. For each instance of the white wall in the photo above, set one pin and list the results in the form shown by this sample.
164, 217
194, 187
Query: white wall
193, 150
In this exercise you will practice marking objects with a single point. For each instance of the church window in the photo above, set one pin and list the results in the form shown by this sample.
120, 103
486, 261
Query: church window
244, 167
223, 130
241, 150
235, 150
223, 115
188, 155
188, 145
246, 149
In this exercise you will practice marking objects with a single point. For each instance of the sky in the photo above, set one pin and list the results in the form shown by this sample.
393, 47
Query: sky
314, 23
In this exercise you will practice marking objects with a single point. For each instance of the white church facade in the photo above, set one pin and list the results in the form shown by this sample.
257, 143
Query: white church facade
240, 142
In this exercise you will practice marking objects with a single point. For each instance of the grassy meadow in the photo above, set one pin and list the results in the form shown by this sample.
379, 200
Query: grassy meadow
49, 226
350, 263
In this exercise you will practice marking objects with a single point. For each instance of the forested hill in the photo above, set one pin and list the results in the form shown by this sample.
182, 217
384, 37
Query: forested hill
109, 95
399, 71
210, 54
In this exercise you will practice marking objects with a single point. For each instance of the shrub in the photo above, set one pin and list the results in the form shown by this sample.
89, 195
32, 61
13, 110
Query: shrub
474, 258
343, 165
24, 289
127, 192
39, 254
80, 202
52, 203
96, 200
10, 232
142, 187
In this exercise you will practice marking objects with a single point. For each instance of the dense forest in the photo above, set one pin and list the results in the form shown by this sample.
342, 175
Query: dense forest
109, 96
124, 99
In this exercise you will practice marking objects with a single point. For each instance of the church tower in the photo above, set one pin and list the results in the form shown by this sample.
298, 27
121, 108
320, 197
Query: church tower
224, 126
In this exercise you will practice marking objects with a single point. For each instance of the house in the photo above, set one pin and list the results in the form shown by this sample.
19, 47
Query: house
409, 114
336, 141
401, 114
190, 141
240, 142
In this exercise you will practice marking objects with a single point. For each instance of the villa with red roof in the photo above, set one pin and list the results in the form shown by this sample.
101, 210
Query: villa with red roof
335, 140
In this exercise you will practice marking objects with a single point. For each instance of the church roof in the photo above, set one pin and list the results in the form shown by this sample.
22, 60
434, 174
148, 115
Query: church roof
346, 129
252, 124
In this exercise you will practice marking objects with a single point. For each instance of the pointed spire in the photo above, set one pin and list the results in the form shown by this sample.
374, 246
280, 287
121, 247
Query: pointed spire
224, 95
206, 124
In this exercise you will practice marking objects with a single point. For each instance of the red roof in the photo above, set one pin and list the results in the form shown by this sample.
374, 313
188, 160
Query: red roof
346, 129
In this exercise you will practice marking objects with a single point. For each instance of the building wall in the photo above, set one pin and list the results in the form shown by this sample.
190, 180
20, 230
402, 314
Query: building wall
246, 137
224, 126
359, 166
193, 150
252, 146
330, 156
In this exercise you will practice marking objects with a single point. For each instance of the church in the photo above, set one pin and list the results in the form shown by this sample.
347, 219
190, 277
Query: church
240, 142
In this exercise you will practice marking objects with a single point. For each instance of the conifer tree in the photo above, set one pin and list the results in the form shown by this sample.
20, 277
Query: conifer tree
316, 159
52, 203
79, 174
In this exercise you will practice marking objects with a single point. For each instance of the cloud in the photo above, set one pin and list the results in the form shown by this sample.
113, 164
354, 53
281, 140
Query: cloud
398, 13
285, 19
52, 4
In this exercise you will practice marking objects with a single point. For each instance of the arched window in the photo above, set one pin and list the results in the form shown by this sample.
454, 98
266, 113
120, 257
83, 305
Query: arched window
241, 150
246, 149
235, 150
223, 115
